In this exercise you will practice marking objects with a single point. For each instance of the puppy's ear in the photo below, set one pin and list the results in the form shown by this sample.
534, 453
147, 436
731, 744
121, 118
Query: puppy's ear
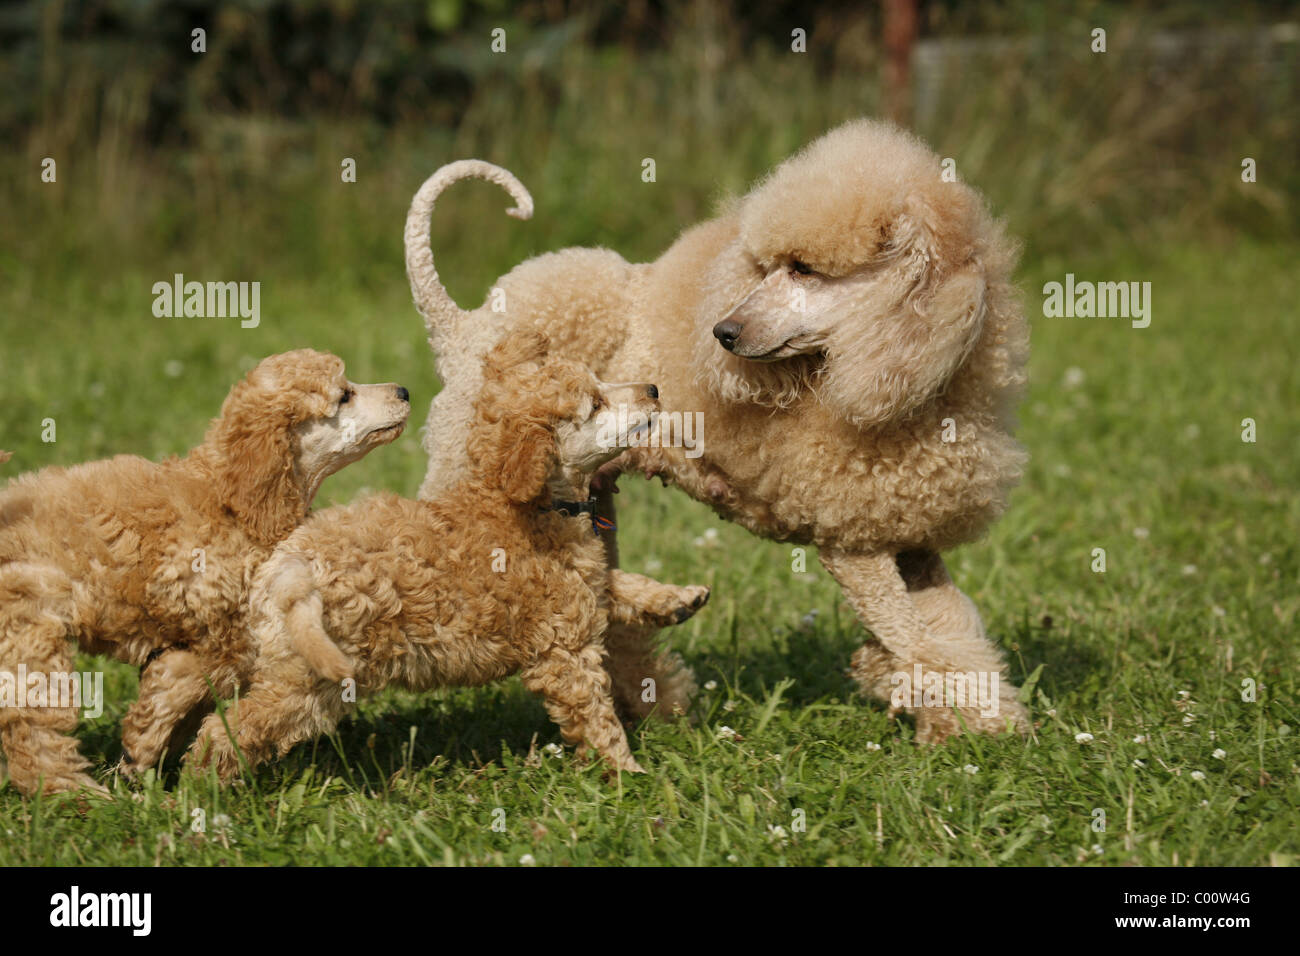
886, 363
518, 346
252, 442
255, 464
513, 455
527, 462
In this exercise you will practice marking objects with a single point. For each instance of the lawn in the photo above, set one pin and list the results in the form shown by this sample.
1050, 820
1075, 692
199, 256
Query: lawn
1145, 750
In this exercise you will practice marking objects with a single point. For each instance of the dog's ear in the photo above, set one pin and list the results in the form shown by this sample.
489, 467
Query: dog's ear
882, 366
513, 454
527, 462
252, 440
255, 464
518, 347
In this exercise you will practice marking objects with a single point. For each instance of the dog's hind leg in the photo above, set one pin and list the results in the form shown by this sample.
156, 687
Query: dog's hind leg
645, 679
287, 704
932, 625
173, 690
35, 732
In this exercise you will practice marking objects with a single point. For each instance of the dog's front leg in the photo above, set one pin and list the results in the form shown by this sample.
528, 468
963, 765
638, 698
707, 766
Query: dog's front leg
639, 601
926, 656
576, 690
645, 679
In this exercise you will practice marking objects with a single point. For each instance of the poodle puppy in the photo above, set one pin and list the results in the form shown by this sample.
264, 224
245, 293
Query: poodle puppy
850, 335
503, 574
151, 562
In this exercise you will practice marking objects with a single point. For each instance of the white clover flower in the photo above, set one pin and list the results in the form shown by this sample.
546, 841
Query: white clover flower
1187, 719
1141, 533
1198, 775
726, 733
1189, 570
1097, 850
732, 858
711, 534
1083, 738
555, 750
698, 542
872, 745
1218, 611
654, 565
1265, 558
1205, 803
1051, 712
1074, 377
527, 860
710, 685
1141, 739
1184, 694
729, 706
777, 833
971, 769
1219, 753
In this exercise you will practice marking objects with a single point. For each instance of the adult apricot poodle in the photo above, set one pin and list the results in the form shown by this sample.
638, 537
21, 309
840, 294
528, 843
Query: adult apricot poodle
850, 332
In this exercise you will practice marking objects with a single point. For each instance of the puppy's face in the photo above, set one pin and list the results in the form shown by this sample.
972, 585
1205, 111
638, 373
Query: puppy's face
608, 418
354, 419
793, 310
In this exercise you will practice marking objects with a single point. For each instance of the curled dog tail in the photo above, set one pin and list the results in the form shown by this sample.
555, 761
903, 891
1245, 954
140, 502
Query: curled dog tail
435, 305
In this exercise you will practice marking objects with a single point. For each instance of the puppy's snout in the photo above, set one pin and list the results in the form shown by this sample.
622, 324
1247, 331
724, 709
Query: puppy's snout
652, 391
726, 332
402, 394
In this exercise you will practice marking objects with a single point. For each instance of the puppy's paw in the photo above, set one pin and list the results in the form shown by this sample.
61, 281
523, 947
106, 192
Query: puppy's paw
934, 725
693, 598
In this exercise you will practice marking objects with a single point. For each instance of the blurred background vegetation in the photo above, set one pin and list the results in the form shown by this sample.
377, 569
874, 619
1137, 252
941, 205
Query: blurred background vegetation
1126, 166
235, 153
226, 164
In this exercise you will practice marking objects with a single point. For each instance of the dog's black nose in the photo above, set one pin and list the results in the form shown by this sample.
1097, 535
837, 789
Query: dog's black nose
727, 331
402, 394
652, 391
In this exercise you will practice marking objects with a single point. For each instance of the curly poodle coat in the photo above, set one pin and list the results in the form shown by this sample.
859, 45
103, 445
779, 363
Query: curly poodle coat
503, 574
151, 562
850, 332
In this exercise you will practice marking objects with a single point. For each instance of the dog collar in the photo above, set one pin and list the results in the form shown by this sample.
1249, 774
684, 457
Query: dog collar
574, 508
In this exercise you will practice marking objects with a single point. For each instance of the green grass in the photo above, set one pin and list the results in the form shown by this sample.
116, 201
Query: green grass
1129, 429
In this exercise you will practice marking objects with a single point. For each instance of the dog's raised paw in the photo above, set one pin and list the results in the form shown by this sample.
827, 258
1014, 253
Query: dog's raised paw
695, 599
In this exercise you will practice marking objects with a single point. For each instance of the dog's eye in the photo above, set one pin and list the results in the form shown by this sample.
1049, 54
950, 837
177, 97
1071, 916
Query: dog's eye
347, 397
596, 405
801, 267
